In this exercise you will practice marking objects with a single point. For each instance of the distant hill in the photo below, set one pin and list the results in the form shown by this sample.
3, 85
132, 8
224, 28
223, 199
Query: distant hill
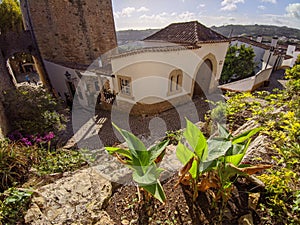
126, 36
255, 30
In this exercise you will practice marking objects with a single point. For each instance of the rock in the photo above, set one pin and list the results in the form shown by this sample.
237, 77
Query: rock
74, 199
246, 220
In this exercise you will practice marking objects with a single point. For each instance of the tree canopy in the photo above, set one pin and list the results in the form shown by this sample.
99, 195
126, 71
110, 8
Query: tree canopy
10, 16
239, 63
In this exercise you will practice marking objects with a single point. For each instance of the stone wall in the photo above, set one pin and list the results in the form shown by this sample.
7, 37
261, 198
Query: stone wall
5, 84
71, 31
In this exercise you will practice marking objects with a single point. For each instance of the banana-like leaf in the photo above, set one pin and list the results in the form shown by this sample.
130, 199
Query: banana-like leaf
123, 152
149, 177
157, 150
223, 132
184, 154
216, 148
245, 136
156, 190
140, 155
195, 138
234, 159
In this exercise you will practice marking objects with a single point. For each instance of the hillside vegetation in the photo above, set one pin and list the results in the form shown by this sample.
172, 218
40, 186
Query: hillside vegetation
255, 30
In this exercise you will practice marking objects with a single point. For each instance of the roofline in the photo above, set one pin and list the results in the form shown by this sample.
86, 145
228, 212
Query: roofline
156, 49
251, 42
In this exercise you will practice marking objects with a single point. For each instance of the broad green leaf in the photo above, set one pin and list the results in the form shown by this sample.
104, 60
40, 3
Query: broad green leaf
207, 166
136, 147
123, 152
246, 135
223, 132
217, 148
149, 177
195, 138
183, 153
156, 190
156, 150
235, 149
234, 159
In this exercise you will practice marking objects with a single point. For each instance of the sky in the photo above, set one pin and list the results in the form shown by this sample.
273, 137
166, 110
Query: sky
144, 14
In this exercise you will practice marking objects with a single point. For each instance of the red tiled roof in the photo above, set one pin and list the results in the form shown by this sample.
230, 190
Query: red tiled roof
187, 33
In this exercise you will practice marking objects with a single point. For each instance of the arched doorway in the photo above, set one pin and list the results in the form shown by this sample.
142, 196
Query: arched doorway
203, 79
22, 68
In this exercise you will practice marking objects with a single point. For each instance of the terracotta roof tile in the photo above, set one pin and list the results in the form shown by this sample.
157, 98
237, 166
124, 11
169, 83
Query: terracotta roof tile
186, 33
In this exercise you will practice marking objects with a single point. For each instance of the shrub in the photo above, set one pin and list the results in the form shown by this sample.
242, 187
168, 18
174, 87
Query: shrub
13, 205
15, 162
37, 111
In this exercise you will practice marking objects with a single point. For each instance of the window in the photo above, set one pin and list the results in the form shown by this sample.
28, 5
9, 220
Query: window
175, 81
125, 85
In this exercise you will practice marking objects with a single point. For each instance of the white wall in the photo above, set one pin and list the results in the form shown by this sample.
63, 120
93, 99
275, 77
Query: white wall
57, 78
149, 71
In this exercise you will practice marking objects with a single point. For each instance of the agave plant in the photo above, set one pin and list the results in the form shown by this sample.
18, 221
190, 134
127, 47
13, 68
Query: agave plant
142, 161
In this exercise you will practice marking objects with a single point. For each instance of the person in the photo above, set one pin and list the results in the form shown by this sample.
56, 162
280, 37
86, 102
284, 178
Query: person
27, 79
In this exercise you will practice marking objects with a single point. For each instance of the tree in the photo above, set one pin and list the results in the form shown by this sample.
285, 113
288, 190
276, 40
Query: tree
239, 63
10, 16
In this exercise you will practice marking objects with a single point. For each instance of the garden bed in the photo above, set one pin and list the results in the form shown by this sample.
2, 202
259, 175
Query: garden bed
124, 208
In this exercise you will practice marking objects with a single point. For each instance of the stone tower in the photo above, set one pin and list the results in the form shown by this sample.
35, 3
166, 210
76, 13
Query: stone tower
71, 31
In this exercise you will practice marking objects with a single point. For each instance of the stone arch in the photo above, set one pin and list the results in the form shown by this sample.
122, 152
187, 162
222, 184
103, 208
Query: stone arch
204, 76
16, 42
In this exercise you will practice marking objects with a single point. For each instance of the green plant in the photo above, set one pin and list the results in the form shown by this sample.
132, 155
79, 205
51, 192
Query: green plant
38, 111
213, 162
15, 161
59, 161
281, 199
192, 159
13, 204
239, 61
142, 162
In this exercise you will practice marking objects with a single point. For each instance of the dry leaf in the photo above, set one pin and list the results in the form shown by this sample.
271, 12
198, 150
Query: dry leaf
252, 169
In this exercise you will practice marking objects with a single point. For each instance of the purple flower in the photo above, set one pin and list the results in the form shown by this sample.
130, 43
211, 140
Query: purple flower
26, 141
38, 140
49, 136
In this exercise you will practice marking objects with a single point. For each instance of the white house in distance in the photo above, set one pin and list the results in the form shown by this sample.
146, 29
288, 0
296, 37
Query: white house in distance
181, 61
170, 67
267, 58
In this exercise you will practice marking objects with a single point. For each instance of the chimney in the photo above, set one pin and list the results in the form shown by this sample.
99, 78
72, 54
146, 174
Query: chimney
259, 38
274, 41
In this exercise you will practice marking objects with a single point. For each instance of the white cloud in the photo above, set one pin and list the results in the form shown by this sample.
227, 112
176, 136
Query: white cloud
261, 7
230, 5
143, 9
126, 12
293, 10
201, 6
269, 1
187, 16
